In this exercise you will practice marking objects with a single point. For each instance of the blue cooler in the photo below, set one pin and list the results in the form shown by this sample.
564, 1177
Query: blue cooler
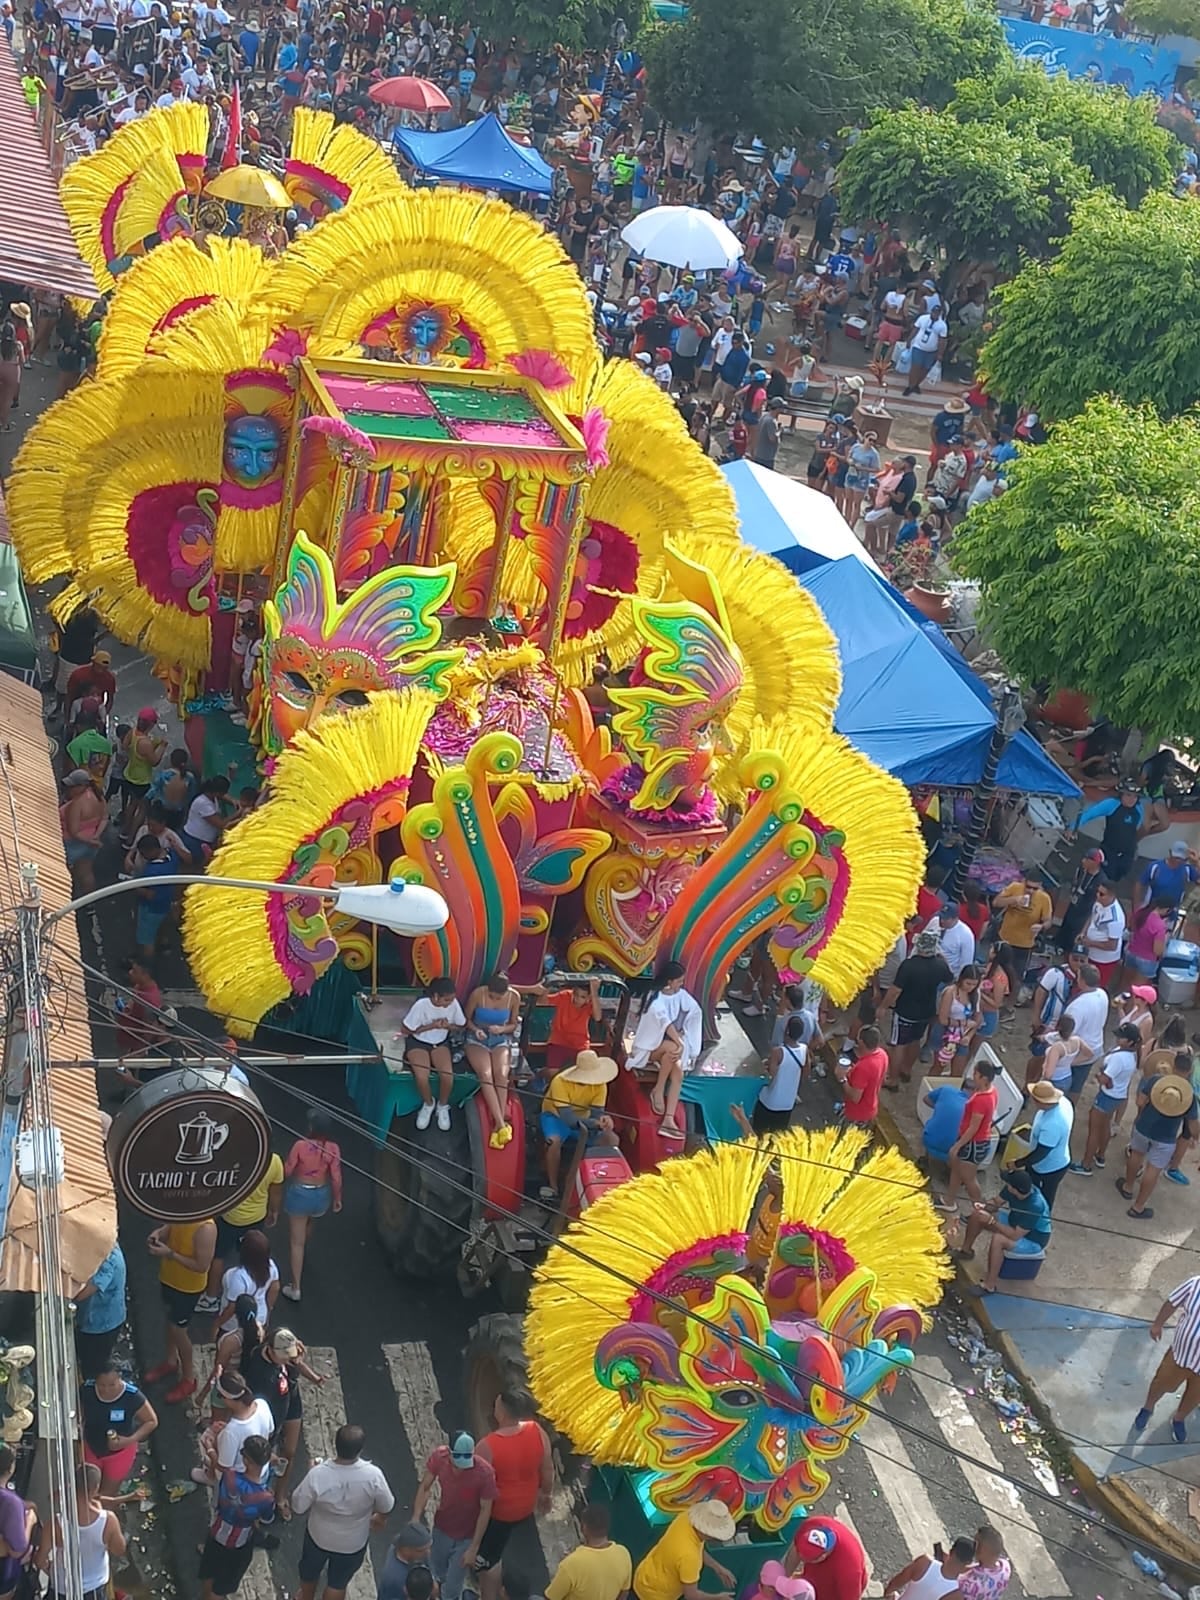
1179, 973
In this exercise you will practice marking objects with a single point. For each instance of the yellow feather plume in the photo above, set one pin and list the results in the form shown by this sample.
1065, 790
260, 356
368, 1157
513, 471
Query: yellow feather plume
883, 849
510, 280
179, 286
792, 670
40, 479
883, 1215
659, 485
97, 187
225, 931
82, 466
632, 1231
339, 152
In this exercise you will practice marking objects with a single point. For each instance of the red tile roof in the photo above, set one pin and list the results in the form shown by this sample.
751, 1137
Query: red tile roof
37, 246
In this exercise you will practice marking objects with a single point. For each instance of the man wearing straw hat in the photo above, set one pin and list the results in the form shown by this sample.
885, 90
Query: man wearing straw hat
1166, 1105
670, 1570
574, 1100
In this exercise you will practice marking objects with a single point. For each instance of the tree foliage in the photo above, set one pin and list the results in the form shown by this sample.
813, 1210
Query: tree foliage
784, 69
1117, 312
994, 177
978, 191
1165, 16
1090, 564
1114, 137
544, 23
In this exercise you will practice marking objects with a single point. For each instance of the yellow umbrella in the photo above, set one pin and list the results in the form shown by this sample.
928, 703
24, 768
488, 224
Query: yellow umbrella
249, 186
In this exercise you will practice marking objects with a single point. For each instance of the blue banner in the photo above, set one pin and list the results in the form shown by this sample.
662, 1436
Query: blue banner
1101, 57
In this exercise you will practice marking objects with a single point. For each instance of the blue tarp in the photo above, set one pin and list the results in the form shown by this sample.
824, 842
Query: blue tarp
909, 700
481, 155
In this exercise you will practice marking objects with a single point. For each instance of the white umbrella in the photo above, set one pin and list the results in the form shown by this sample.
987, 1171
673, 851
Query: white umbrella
683, 236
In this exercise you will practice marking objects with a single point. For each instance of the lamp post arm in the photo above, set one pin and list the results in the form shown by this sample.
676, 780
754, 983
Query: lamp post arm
189, 878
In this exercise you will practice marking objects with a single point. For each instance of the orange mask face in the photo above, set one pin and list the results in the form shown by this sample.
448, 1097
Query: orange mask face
306, 679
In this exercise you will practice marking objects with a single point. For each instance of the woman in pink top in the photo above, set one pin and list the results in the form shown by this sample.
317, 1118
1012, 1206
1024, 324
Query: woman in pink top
1147, 940
313, 1171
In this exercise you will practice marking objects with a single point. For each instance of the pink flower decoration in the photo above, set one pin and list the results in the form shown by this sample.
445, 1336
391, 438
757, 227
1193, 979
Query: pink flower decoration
286, 348
343, 440
595, 435
542, 367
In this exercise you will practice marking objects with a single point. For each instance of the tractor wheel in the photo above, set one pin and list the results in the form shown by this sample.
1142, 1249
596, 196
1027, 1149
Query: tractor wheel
421, 1217
495, 1360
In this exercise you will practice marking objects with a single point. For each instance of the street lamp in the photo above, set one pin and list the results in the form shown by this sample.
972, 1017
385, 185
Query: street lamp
404, 908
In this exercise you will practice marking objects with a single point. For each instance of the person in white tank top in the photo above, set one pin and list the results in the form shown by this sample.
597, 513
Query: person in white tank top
927, 1578
100, 1538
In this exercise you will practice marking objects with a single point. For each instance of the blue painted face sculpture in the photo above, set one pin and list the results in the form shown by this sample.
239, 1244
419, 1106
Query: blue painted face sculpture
252, 448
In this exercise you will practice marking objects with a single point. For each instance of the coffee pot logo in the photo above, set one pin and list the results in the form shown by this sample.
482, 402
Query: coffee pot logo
199, 1140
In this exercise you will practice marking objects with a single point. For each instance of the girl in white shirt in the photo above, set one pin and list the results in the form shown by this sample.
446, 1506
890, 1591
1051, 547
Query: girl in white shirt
426, 1032
1112, 1095
255, 1274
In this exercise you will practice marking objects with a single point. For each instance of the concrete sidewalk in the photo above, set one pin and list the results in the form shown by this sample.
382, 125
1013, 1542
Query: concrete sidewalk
1077, 1336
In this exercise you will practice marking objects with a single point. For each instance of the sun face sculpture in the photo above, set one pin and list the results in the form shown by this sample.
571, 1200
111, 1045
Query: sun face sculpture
740, 1309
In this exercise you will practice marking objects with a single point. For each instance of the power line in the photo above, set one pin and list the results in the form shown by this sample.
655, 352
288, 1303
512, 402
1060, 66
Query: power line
933, 1440
922, 1187
360, 1126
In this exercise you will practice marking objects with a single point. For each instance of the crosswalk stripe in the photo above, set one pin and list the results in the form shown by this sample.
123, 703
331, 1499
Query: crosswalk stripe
842, 1512
417, 1397
1031, 1560
900, 1484
324, 1413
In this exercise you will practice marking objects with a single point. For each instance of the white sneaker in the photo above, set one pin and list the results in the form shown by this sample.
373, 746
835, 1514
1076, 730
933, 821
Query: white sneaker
443, 1118
424, 1116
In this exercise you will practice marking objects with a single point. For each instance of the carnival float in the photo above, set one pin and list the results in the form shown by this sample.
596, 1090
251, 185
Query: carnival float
477, 607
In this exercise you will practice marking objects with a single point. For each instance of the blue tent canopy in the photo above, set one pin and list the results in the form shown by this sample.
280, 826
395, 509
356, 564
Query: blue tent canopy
909, 700
481, 155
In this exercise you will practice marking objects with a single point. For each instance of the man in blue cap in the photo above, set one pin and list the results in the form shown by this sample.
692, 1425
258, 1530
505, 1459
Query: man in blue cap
468, 1485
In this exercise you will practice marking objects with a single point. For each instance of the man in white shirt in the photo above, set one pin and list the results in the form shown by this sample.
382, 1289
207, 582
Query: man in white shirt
956, 942
199, 81
1104, 931
1089, 1012
927, 345
248, 1418
346, 1499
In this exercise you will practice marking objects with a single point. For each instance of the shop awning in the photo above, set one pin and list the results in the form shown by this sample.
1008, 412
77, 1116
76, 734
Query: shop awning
37, 246
86, 1201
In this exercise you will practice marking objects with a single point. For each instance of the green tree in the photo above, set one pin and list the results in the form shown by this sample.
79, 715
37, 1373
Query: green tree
544, 23
1115, 138
994, 177
1090, 564
784, 69
1116, 312
981, 192
1165, 16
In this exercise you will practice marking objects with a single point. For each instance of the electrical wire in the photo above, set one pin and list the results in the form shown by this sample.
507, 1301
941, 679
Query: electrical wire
360, 1126
534, 1095
1093, 1522
934, 1441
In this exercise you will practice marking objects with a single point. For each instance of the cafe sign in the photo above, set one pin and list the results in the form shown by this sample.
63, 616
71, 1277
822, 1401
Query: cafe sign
191, 1144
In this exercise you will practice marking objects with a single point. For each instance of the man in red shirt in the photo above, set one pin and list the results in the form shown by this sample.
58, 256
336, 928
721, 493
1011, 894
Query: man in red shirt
863, 1078
575, 1006
93, 678
830, 1555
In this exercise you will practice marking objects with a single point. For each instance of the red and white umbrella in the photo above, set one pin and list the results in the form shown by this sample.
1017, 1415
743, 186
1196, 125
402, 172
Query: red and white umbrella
409, 94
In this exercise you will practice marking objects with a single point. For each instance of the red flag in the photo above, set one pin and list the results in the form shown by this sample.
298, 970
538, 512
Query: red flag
233, 139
